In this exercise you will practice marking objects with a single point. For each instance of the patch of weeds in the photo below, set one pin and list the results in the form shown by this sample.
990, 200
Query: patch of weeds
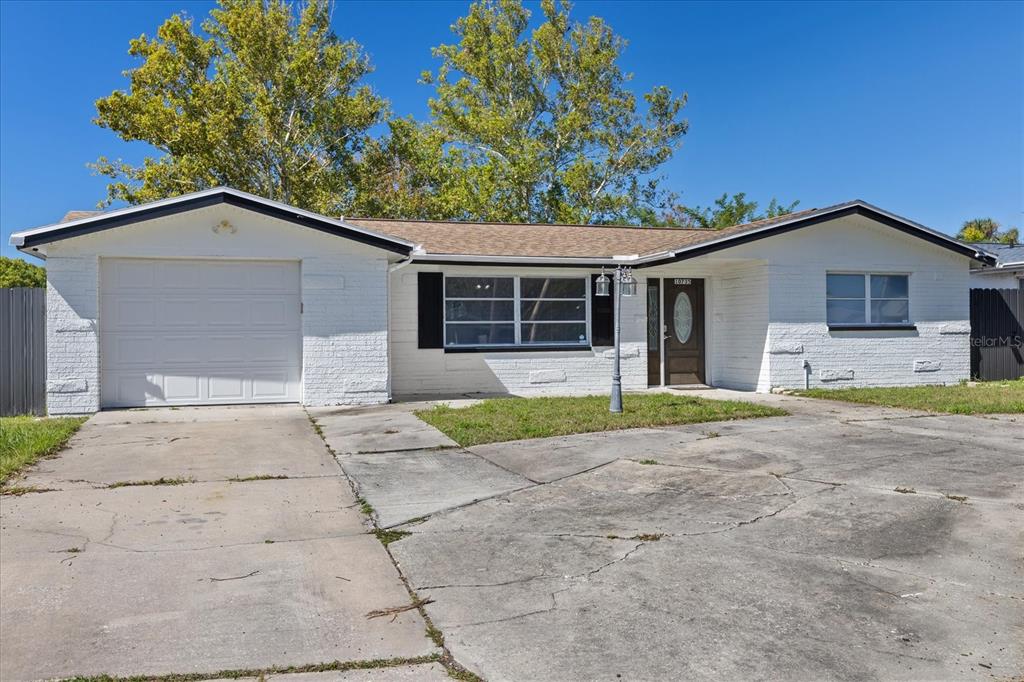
462, 674
71, 550
649, 461
711, 434
365, 506
642, 537
333, 666
268, 542
386, 537
156, 481
418, 520
435, 636
257, 477
19, 490
956, 498
905, 490
316, 427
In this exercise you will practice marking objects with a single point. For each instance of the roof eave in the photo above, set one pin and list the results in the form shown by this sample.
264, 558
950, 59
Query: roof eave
857, 207
211, 197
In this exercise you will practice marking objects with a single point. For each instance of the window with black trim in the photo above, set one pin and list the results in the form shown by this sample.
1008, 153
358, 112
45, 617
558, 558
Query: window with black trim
867, 299
515, 311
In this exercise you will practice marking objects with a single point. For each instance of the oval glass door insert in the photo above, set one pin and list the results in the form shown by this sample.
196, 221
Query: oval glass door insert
682, 317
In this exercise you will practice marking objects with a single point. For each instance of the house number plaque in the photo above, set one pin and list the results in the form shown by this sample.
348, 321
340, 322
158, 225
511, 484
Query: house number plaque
682, 281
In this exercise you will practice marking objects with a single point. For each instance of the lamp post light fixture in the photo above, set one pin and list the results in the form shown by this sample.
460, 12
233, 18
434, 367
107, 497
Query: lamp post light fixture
625, 285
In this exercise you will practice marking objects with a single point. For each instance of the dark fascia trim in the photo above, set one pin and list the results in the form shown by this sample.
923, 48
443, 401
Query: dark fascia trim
747, 237
100, 223
513, 264
872, 327
512, 349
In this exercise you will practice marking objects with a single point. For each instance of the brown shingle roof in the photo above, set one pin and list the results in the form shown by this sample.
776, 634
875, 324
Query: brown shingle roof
555, 241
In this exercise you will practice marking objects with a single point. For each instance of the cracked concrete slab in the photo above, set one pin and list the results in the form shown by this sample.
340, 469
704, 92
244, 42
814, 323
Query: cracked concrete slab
199, 577
386, 428
402, 486
136, 445
784, 552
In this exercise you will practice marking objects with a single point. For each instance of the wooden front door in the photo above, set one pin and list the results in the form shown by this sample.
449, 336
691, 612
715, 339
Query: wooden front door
684, 331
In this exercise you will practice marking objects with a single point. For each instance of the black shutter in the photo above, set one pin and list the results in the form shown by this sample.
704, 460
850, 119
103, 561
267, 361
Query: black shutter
430, 311
602, 317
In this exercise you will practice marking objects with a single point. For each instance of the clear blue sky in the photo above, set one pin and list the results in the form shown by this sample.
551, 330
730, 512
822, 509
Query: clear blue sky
916, 107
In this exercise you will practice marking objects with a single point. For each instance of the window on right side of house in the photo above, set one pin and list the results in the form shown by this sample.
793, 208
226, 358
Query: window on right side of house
863, 298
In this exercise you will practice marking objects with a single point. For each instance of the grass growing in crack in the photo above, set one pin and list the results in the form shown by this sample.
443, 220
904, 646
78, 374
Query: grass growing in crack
365, 506
26, 440
334, 666
956, 498
156, 481
386, 537
435, 636
649, 461
257, 477
711, 434
642, 537
905, 490
505, 419
19, 490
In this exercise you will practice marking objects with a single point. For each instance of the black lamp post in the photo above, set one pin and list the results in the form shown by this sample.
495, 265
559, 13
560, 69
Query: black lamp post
625, 285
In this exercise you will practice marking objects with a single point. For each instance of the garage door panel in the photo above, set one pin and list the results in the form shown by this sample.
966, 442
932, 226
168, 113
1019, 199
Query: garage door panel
133, 275
127, 312
195, 332
270, 385
175, 274
227, 388
127, 350
178, 312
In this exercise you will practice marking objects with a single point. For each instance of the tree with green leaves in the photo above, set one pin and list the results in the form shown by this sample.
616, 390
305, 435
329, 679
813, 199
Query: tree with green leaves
726, 212
987, 230
15, 272
266, 99
540, 126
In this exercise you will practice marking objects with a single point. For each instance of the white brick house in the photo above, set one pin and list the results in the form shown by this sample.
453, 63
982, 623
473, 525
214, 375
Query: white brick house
224, 297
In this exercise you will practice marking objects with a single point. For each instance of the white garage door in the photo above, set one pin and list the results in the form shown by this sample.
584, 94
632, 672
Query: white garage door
192, 332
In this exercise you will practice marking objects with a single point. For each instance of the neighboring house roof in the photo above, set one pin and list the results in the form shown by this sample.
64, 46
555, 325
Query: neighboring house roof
1008, 256
501, 243
78, 223
78, 215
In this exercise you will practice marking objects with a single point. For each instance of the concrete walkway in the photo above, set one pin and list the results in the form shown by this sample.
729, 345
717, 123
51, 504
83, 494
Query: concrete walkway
228, 570
841, 542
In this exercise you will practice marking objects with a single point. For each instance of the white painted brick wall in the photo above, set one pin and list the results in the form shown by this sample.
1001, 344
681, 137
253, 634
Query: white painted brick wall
417, 371
72, 337
937, 353
344, 327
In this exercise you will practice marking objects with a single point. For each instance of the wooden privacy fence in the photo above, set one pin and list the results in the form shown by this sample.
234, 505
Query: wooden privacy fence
22, 351
997, 334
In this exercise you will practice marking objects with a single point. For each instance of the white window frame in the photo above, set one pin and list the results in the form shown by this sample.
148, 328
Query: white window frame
517, 322
867, 299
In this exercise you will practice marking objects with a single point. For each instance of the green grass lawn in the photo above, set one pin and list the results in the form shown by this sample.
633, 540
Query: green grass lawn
23, 440
504, 419
989, 397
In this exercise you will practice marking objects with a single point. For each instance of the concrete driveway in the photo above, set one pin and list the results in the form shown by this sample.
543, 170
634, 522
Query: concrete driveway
764, 549
229, 570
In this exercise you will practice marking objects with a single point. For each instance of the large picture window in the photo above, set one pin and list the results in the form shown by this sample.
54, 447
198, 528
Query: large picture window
513, 311
868, 299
